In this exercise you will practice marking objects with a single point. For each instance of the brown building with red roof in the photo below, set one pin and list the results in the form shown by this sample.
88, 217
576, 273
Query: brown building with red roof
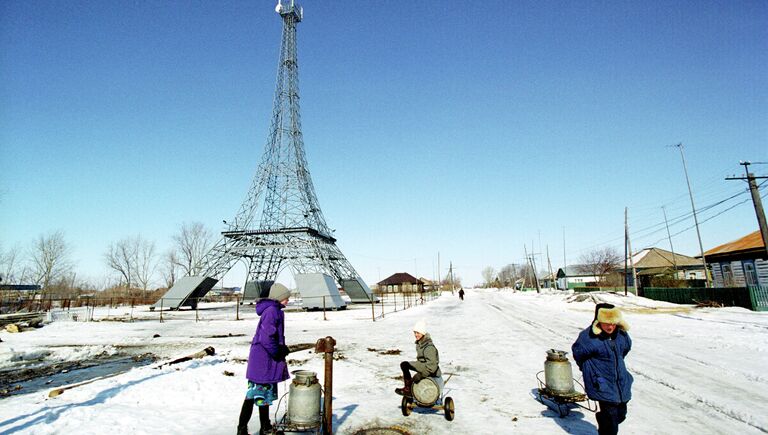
401, 282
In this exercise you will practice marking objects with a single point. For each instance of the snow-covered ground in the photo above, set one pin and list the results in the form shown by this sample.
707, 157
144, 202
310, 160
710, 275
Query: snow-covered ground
701, 371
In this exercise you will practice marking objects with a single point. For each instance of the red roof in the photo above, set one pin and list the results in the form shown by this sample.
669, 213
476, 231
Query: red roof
749, 242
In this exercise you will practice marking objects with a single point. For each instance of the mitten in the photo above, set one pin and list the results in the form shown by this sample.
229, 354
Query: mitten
282, 352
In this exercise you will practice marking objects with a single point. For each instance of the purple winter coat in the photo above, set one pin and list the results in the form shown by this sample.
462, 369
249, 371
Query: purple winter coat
263, 368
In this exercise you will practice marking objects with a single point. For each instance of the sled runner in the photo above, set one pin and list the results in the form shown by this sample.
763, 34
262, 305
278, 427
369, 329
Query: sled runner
563, 402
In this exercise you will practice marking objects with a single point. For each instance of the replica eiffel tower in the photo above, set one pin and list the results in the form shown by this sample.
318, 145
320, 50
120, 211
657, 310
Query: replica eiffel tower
280, 223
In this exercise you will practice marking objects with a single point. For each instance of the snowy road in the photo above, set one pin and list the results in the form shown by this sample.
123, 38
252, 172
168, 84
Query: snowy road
696, 371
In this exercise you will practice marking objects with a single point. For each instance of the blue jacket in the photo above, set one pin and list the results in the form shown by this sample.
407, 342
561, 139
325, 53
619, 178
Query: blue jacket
264, 364
601, 360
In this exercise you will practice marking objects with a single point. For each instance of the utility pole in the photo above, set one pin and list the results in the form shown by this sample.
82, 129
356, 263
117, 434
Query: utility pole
565, 264
631, 260
528, 262
514, 277
549, 263
533, 264
695, 219
533, 268
674, 259
626, 237
756, 201
439, 276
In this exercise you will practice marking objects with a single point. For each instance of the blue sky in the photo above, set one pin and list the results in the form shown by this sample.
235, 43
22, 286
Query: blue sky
465, 128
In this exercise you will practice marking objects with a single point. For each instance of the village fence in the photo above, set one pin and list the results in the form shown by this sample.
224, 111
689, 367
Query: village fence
165, 309
727, 296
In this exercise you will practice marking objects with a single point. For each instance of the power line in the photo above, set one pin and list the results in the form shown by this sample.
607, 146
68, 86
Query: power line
658, 227
679, 219
705, 220
715, 215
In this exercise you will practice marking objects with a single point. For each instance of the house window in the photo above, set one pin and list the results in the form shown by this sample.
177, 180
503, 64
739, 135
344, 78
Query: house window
750, 274
727, 275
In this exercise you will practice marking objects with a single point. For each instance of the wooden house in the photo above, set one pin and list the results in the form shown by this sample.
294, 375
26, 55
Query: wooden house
574, 276
656, 262
742, 262
401, 282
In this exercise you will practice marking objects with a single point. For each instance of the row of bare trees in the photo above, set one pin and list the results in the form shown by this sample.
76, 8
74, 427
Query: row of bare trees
134, 261
507, 276
600, 263
46, 262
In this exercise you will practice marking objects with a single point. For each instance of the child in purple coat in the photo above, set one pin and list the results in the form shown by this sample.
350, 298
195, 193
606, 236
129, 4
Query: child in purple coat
266, 362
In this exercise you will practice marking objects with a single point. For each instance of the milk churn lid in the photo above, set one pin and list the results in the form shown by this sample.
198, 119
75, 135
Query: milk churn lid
557, 355
304, 377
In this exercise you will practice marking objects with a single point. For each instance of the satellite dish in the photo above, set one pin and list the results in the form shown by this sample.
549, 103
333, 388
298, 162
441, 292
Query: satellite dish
279, 6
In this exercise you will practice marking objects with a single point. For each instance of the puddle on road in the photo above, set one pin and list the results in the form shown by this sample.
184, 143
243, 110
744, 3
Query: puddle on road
22, 381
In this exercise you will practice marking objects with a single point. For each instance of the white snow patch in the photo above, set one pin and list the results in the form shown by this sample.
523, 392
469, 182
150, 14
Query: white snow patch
696, 370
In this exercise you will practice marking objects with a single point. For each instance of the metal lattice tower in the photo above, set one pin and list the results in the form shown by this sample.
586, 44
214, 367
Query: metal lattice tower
280, 223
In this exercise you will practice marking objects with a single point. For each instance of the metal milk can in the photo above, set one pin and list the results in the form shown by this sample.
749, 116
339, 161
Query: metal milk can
304, 400
558, 376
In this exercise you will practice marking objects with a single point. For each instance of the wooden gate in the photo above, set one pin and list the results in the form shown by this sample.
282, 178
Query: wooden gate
759, 296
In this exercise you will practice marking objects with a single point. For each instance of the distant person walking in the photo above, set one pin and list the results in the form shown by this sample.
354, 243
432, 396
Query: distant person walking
461, 294
427, 362
266, 361
599, 352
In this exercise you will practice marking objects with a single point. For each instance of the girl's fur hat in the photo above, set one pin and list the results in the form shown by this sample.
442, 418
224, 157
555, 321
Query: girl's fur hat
610, 315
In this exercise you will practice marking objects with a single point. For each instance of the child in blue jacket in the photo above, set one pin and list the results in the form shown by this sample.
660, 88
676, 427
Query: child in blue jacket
599, 352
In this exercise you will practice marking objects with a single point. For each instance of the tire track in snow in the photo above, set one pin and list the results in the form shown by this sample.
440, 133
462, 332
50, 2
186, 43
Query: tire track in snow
708, 364
698, 399
536, 325
726, 322
707, 404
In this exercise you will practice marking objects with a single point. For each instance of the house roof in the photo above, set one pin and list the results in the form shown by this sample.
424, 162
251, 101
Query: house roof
750, 242
400, 278
652, 271
660, 258
572, 270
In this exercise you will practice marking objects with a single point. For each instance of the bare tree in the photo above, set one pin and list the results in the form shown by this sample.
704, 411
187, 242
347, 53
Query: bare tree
146, 262
192, 243
121, 257
169, 268
510, 273
50, 258
599, 262
449, 280
525, 272
8, 263
64, 286
133, 258
489, 275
